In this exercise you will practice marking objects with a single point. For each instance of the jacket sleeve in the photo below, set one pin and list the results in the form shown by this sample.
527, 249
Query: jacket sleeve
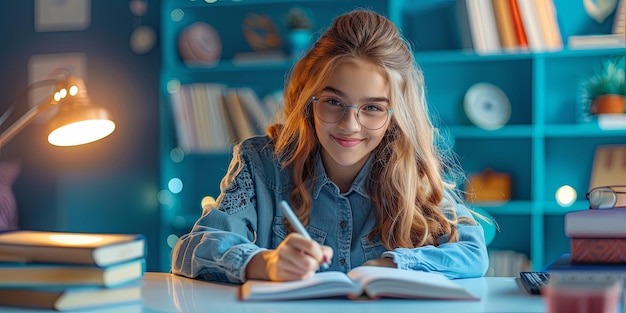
463, 259
221, 242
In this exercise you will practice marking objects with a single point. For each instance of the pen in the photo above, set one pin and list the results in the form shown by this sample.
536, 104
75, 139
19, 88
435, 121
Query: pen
295, 222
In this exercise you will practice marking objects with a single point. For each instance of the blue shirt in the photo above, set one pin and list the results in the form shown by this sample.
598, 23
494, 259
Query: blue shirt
246, 220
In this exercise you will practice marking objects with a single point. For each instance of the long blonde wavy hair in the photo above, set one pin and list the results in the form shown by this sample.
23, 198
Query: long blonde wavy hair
405, 181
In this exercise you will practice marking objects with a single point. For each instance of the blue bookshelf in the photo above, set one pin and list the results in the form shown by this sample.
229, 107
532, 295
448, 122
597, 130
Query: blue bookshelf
542, 147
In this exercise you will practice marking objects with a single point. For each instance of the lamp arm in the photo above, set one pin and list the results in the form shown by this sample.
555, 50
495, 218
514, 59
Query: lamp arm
27, 118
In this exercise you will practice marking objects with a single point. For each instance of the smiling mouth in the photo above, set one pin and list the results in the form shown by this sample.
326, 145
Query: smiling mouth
348, 143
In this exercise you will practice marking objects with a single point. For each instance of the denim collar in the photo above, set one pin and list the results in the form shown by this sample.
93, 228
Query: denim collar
321, 179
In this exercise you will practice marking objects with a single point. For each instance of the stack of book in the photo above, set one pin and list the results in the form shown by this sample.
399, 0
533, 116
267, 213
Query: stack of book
597, 236
70, 271
597, 246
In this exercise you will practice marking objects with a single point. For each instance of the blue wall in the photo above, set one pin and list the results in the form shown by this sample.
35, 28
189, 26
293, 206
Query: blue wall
107, 186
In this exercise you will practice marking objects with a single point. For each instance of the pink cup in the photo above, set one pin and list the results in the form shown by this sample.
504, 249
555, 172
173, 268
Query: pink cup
582, 296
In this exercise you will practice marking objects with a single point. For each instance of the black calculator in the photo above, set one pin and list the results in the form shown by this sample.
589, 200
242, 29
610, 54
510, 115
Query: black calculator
533, 281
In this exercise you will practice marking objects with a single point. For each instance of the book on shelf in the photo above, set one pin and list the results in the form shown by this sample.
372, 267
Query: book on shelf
201, 119
237, 115
596, 41
518, 25
183, 119
619, 22
546, 14
599, 223
532, 26
260, 57
598, 250
490, 27
504, 22
274, 103
361, 282
564, 269
70, 247
63, 274
219, 130
478, 15
507, 263
259, 117
73, 298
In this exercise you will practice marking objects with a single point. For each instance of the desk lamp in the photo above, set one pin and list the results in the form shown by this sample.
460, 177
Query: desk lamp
77, 121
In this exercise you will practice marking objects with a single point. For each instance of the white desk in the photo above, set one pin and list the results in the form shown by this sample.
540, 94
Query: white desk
164, 292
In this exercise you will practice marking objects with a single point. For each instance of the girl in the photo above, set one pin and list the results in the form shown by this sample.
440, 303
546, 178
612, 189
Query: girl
356, 157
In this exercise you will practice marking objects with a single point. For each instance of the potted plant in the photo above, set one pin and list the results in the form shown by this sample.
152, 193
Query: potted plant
299, 22
604, 91
298, 18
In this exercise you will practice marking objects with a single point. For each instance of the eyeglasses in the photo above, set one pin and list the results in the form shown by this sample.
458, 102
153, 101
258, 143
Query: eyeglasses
604, 197
330, 110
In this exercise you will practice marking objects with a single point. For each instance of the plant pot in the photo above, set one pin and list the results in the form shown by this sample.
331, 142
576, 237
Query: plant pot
299, 42
608, 104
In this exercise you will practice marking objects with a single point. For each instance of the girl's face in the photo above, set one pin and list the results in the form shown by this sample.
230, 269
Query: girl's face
346, 144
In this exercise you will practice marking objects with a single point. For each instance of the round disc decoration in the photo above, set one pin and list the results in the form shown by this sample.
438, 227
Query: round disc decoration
487, 106
200, 44
260, 32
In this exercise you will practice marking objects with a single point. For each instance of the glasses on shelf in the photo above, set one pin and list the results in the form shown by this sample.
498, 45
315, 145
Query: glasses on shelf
331, 110
605, 197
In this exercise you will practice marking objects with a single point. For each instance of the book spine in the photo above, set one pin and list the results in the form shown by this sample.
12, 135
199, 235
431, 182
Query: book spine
546, 24
619, 24
555, 29
489, 25
241, 124
479, 39
528, 12
520, 32
201, 117
217, 123
504, 21
254, 109
598, 250
180, 105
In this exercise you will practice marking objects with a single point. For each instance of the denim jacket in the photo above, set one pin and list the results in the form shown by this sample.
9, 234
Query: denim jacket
245, 220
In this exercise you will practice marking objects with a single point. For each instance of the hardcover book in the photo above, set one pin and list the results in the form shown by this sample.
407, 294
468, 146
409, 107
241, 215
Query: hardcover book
59, 274
64, 299
606, 223
74, 248
598, 250
596, 41
564, 269
361, 282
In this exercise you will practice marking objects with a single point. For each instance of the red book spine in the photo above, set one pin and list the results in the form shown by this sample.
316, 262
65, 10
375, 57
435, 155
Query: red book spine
520, 34
598, 250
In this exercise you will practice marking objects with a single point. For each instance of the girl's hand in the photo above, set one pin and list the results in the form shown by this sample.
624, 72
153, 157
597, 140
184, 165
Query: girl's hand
294, 259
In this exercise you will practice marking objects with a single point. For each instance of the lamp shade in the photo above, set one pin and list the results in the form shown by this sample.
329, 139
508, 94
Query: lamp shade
77, 125
77, 121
